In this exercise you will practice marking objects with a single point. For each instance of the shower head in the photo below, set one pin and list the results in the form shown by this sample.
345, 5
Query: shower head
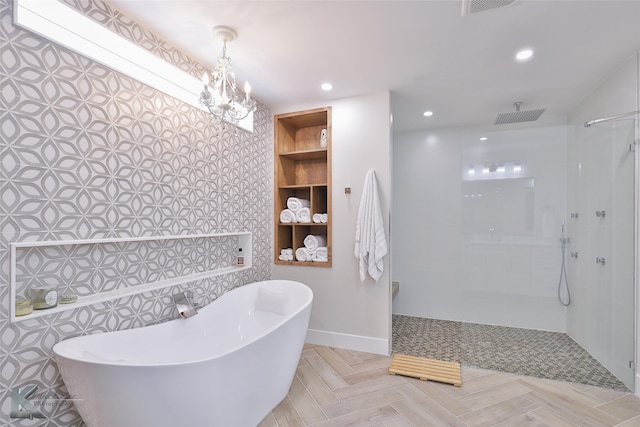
475, 6
518, 116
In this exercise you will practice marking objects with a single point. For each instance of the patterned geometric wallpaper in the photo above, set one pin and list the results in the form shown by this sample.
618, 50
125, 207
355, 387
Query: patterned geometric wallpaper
87, 153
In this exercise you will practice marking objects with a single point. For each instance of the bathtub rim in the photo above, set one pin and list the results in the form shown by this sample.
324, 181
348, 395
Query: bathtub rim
124, 364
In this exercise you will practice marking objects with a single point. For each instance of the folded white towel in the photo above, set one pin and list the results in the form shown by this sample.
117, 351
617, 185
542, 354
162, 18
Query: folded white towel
303, 254
303, 215
320, 218
322, 251
286, 254
321, 254
287, 216
313, 242
295, 203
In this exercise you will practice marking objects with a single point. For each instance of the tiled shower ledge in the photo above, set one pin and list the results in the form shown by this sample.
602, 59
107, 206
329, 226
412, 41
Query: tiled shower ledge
244, 242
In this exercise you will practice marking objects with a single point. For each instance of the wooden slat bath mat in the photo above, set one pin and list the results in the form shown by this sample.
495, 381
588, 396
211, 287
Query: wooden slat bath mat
426, 369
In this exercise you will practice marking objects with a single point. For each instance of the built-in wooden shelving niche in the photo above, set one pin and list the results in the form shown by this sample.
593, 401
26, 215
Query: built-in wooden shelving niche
302, 170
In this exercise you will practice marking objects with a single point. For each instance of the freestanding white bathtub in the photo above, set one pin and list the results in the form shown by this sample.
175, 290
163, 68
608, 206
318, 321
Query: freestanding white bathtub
228, 366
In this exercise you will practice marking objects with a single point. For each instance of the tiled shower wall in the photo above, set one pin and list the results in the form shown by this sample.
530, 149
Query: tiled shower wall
87, 153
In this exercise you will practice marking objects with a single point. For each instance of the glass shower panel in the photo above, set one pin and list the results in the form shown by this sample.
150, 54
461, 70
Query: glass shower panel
601, 319
513, 203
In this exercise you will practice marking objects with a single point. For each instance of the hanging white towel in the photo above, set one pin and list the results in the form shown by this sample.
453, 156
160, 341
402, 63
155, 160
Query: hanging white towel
371, 243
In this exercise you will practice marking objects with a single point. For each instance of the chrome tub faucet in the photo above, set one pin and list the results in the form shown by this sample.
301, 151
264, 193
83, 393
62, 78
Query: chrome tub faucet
183, 304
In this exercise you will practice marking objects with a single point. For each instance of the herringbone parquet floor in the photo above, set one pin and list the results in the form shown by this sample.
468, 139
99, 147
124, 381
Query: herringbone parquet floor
339, 388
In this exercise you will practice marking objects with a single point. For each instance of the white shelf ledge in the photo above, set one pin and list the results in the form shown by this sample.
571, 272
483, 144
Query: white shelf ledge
244, 241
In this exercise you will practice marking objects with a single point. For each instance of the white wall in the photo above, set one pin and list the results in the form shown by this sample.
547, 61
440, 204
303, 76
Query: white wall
601, 319
348, 313
464, 259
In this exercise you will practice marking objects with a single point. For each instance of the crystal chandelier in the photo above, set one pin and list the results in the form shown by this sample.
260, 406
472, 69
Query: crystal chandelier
220, 94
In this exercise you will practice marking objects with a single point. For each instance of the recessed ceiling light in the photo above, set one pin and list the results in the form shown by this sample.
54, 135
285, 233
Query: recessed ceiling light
428, 113
524, 54
326, 86
484, 138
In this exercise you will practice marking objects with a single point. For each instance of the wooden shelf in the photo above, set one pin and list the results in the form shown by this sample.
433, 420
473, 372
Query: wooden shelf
306, 154
303, 170
294, 186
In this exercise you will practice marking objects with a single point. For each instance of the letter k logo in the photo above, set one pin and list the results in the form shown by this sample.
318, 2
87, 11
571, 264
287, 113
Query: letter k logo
20, 406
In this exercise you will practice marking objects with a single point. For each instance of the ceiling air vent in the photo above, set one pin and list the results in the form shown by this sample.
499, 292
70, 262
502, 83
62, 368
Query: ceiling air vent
475, 6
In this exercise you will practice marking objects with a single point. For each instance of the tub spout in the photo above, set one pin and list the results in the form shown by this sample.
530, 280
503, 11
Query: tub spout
183, 305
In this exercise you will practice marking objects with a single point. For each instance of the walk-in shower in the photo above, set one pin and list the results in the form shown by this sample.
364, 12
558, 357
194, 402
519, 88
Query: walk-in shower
529, 228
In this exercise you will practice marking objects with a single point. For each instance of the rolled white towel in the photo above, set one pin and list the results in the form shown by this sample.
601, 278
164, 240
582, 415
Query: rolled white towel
285, 257
317, 218
321, 254
313, 242
286, 251
303, 215
295, 203
287, 216
325, 218
303, 254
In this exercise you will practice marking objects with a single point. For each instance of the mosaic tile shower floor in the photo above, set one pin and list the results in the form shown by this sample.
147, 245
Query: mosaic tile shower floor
541, 354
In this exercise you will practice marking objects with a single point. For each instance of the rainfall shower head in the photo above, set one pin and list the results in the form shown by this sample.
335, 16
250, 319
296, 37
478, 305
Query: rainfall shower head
475, 6
518, 116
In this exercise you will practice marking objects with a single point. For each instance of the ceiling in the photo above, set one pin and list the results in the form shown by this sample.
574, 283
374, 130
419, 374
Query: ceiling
425, 52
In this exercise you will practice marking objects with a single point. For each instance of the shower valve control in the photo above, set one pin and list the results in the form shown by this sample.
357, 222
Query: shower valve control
600, 261
600, 214
574, 215
574, 254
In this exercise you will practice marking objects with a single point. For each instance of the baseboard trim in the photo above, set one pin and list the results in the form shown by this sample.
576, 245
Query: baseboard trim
348, 342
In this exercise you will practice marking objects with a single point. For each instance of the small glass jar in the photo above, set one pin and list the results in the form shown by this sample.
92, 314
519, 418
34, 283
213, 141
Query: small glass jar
44, 297
23, 307
68, 297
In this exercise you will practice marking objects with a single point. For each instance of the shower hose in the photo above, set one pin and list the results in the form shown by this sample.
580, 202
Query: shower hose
563, 274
